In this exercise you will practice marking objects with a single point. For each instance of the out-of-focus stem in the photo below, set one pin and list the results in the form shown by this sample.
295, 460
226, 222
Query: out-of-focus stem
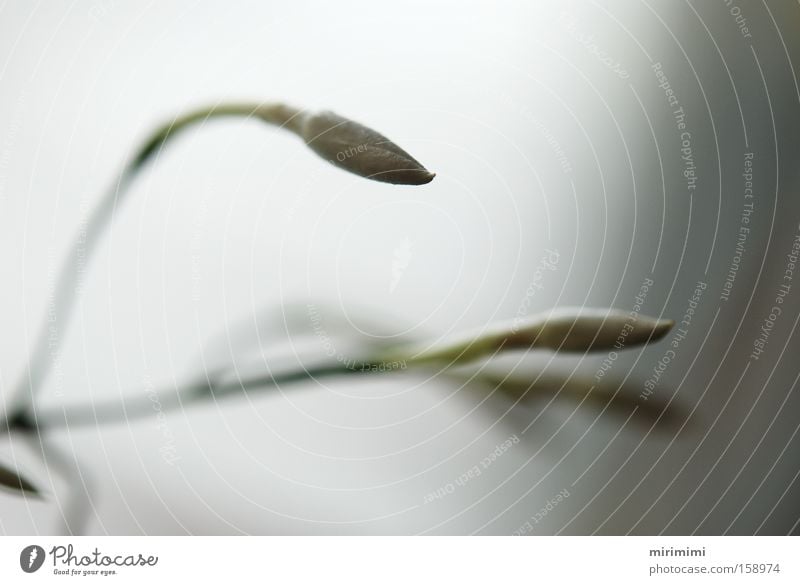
137, 406
48, 341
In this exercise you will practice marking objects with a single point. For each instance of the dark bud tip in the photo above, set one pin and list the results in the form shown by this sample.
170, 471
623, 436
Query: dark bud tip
361, 150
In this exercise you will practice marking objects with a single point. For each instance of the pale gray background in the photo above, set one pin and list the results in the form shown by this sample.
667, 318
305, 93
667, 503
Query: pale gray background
235, 218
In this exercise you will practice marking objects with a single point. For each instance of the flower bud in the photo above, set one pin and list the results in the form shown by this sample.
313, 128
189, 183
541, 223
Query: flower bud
563, 330
360, 150
588, 330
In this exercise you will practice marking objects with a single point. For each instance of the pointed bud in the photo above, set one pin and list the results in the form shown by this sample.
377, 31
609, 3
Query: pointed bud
588, 330
563, 330
360, 150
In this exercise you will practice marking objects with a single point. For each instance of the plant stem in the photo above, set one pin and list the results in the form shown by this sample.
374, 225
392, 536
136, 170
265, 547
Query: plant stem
137, 406
48, 341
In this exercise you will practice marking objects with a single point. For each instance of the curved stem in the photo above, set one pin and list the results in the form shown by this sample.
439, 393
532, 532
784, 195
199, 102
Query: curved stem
47, 342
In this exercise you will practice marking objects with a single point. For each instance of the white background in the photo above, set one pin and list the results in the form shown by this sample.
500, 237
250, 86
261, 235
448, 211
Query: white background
235, 219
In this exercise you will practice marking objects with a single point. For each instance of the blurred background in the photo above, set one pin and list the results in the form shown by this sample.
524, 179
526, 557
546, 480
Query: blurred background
587, 154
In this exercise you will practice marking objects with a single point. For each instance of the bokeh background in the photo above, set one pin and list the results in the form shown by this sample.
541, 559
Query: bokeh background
560, 182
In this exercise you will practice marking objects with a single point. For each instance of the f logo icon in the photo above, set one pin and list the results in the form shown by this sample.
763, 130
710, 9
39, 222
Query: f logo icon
31, 558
